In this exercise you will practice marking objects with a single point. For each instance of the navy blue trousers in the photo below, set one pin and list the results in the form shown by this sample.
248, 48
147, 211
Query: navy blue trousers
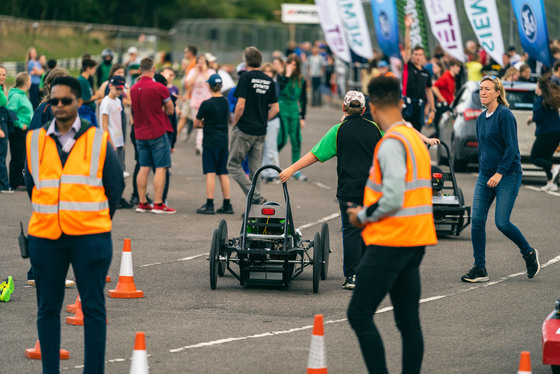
90, 256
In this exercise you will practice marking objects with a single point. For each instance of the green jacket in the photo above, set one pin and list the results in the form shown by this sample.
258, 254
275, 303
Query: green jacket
20, 104
3, 98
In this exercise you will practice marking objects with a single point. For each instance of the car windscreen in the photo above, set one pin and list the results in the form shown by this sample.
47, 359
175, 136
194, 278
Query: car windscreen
520, 99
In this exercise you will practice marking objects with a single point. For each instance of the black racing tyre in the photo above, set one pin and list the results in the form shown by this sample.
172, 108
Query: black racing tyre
214, 259
317, 261
222, 237
326, 245
555, 369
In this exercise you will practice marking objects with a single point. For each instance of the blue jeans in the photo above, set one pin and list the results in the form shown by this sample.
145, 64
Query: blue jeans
90, 256
505, 194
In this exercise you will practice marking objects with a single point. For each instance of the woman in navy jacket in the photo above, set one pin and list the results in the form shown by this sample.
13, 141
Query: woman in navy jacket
499, 178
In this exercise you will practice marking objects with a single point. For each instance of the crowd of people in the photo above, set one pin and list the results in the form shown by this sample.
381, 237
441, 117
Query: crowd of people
243, 123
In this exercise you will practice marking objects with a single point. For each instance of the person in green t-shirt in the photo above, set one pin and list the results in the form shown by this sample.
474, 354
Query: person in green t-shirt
87, 110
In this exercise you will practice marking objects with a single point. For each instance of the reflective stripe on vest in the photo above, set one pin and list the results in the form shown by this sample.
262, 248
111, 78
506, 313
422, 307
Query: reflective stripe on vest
83, 207
45, 209
35, 164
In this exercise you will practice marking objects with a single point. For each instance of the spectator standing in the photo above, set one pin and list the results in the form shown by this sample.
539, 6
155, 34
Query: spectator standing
340, 69
444, 90
5, 124
474, 68
525, 74
104, 70
111, 115
22, 107
293, 105
87, 110
150, 127
270, 153
416, 83
514, 57
196, 85
256, 104
398, 224
78, 230
213, 116
547, 133
187, 118
505, 65
132, 66
352, 142
499, 177
43, 113
511, 75
316, 64
35, 70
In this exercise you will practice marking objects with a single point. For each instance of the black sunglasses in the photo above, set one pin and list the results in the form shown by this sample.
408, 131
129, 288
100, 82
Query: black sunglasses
65, 101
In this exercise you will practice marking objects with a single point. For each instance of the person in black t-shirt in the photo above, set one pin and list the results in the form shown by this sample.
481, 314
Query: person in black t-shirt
213, 116
417, 86
353, 142
256, 104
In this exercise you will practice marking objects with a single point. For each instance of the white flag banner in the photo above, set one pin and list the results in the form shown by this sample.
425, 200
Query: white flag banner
355, 26
484, 19
445, 26
329, 17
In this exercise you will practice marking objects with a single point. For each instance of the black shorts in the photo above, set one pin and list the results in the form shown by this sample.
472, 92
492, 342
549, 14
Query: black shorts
214, 160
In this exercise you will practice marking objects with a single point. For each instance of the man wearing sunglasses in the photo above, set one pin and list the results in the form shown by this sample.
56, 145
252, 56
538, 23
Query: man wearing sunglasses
75, 183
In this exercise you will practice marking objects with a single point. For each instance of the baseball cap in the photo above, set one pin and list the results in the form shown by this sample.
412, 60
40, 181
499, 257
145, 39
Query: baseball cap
382, 64
210, 57
132, 50
511, 48
117, 81
354, 95
214, 80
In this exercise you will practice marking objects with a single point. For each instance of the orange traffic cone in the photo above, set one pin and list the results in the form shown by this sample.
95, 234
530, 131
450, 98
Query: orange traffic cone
71, 308
126, 288
525, 363
78, 318
139, 355
108, 279
317, 362
35, 352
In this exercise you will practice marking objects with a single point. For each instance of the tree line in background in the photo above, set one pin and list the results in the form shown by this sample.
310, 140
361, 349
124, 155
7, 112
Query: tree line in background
143, 13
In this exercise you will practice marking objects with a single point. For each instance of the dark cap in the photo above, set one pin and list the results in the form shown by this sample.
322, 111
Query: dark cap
117, 81
511, 48
214, 80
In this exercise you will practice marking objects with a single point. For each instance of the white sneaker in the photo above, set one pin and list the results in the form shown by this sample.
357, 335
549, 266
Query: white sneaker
555, 171
126, 174
69, 283
550, 187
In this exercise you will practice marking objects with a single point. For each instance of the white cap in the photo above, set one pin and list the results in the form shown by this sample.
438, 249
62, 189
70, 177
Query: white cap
355, 95
132, 50
210, 57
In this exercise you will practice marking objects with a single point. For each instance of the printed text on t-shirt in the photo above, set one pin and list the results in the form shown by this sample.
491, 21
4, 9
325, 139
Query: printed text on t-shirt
261, 86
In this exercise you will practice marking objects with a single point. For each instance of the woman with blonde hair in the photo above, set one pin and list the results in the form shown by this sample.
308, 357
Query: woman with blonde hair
35, 70
511, 75
499, 178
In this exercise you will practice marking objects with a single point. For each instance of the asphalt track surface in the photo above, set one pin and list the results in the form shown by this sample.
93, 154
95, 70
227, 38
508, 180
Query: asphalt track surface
191, 329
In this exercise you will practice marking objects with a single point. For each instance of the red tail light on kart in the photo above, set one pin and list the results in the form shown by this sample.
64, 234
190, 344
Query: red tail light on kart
471, 114
472, 144
437, 175
268, 211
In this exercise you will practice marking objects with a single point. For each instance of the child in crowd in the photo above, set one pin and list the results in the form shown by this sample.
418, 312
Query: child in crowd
111, 119
212, 116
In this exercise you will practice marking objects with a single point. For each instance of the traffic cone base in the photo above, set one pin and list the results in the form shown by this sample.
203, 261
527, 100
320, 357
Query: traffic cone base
78, 318
125, 287
71, 308
107, 279
35, 352
525, 363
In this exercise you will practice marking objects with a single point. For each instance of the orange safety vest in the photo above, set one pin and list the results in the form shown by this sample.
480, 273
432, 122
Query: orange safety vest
69, 199
413, 224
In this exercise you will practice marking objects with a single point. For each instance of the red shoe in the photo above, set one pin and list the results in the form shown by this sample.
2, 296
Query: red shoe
163, 209
143, 208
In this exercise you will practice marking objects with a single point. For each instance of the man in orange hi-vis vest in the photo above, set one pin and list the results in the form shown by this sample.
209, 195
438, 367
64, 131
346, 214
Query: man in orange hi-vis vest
397, 224
75, 182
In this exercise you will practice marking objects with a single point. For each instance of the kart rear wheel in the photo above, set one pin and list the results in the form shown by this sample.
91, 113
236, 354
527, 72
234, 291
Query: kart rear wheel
214, 259
326, 246
222, 237
317, 261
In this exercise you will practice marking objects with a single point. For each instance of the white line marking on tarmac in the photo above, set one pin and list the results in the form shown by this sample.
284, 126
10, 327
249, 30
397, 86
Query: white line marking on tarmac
382, 310
324, 219
171, 261
321, 185
539, 190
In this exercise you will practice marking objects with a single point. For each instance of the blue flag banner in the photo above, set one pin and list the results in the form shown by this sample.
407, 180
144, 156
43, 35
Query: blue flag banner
386, 26
532, 28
